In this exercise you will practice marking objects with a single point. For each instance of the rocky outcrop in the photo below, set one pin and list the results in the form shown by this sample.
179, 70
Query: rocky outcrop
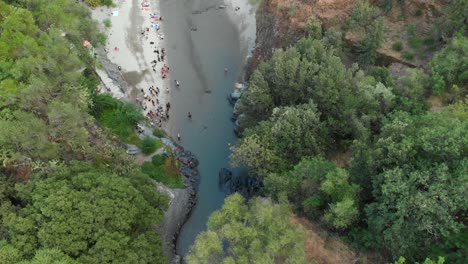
281, 23
182, 200
238, 183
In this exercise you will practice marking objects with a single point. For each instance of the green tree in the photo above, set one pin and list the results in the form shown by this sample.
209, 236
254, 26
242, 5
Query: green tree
257, 232
453, 19
149, 145
372, 41
88, 214
314, 28
450, 63
417, 173
363, 15
410, 90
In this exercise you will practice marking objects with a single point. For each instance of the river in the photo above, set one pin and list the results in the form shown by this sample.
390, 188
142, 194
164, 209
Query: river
202, 38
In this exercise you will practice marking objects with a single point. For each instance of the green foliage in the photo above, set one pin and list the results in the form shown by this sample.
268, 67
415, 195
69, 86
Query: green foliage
108, 3
410, 90
54, 208
257, 232
310, 72
101, 39
397, 46
158, 160
453, 18
93, 3
121, 118
373, 40
450, 62
150, 145
363, 15
418, 13
407, 55
382, 75
314, 183
440, 260
414, 41
159, 133
314, 28
418, 164
107, 23
73, 210
157, 169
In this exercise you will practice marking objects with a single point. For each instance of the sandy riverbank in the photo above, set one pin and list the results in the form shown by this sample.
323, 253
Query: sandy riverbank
131, 44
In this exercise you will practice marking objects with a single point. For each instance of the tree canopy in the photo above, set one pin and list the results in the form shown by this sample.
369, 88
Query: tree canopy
68, 193
256, 232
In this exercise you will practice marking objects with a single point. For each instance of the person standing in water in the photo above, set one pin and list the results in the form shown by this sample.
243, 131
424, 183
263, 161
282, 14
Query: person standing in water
178, 136
177, 83
189, 115
225, 70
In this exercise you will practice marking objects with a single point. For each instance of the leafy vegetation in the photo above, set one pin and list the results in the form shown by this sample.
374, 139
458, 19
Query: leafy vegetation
397, 46
121, 118
68, 194
158, 133
107, 23
256, 232
449, 65
165, 170
401, 191
150, 145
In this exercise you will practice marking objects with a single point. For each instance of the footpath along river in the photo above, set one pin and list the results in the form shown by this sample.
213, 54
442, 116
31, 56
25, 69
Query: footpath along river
202, 38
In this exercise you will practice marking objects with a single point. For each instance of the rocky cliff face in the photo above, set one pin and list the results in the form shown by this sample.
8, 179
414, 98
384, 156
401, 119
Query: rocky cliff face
281, 23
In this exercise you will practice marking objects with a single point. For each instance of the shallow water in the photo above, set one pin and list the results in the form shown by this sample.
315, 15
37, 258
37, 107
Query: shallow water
197, 60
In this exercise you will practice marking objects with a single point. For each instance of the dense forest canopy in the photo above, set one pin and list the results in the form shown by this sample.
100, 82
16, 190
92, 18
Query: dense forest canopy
68, 193
402, 189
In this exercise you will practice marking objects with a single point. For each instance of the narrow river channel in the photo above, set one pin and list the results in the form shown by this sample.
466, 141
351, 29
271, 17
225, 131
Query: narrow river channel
202, 38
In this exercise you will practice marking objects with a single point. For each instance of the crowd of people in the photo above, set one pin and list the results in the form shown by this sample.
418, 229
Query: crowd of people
150, 98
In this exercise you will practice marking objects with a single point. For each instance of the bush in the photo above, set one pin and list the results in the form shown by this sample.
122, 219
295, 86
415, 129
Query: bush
407, 55
397, 46
414, 41
314, 28
107, 3
158, 160
159, 174
93, 3
107, 23
363, 15
101, 39
149, 145
158, 133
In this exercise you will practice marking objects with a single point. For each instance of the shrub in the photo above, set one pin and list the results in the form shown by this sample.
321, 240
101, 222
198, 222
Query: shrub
314, 28
149, 145
159, 174
397, 46
101, 39
363, 15
107, 23
414, 41
407, 55
107, 3
93, 3
158, 160
158, 133
418, 13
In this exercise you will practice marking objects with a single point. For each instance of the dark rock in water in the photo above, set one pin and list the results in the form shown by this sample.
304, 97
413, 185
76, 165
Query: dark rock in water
224, 175
245, 185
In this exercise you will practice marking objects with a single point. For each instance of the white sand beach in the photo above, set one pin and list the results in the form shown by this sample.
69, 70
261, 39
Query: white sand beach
133, 41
